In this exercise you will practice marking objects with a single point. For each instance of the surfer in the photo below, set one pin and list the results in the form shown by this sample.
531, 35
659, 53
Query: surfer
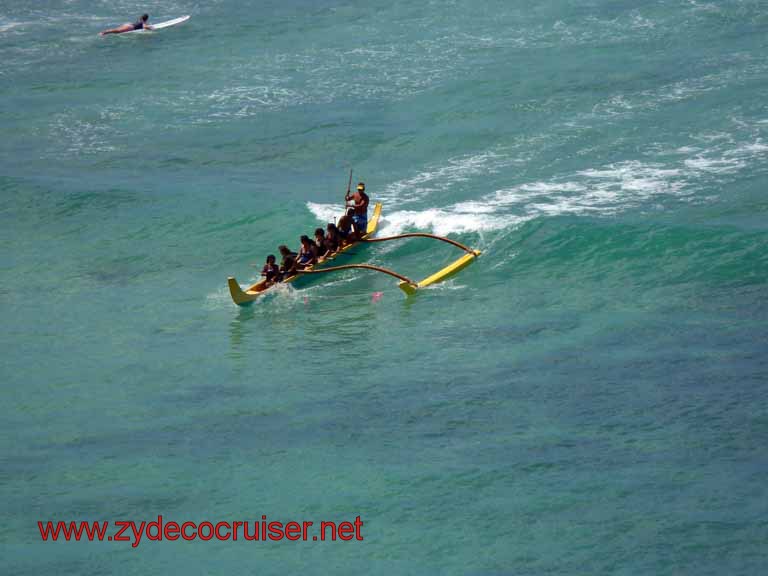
360, 206
141, 23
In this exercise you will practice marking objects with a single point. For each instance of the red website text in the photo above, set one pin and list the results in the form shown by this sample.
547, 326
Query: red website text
158, 530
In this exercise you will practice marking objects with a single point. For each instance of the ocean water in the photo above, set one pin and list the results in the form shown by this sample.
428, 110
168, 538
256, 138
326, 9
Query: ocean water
589, 397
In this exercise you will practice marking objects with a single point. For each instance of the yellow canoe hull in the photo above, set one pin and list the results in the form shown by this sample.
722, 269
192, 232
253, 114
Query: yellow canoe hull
249, 295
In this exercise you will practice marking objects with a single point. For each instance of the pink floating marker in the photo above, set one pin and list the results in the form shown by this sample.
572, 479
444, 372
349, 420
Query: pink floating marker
377, 296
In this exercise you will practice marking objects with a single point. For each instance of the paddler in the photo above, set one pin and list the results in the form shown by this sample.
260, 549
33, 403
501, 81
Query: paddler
332, 239
344, 227
307, 253
288, 264
270, 271
322, 244
359, 204
140, 24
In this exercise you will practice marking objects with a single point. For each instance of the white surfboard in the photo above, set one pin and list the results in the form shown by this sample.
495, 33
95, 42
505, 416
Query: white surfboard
161, 25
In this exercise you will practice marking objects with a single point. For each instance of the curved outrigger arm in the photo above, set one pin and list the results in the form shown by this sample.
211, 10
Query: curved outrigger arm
404, 279
410, 287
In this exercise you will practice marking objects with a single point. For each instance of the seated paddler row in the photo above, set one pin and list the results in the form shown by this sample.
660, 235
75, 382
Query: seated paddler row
326, 242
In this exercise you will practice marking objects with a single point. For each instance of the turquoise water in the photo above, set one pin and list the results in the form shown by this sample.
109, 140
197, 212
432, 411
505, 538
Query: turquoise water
589, 397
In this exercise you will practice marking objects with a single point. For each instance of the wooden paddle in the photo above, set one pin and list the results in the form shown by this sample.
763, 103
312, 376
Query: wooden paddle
349, 189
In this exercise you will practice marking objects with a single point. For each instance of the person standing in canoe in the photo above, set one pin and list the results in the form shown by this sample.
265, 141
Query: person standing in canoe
359, 203
140, 24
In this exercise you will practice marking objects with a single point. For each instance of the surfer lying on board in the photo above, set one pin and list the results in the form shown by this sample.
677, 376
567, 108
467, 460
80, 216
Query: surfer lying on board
270, 271
138, 25
359, 204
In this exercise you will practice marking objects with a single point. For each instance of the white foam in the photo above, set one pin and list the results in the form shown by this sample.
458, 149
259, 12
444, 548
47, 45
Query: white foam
444, 221
602, 190
634, 176
640, 22
607, 189
10, 26
474, 207
714, 165
459, 218
710, 137
442, 178
754, 149
524, 193
325, 212
704, 7
716, 160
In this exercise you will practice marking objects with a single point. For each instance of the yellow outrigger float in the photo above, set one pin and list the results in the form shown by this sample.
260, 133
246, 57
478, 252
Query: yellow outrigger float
245, 297
409, 286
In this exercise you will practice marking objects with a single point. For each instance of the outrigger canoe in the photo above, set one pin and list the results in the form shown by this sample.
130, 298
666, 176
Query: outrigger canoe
245, 297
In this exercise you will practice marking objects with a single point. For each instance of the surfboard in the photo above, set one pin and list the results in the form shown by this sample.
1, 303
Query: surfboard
161, 25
